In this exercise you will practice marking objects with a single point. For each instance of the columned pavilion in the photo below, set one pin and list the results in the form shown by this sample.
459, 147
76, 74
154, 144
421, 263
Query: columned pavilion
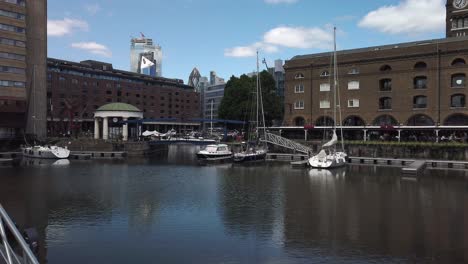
115, 111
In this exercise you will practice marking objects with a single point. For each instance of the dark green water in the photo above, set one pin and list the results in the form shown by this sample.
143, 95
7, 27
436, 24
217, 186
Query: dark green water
170, 210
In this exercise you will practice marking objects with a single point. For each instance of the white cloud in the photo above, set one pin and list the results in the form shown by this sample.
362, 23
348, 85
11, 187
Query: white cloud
249, 51
66, 26
408, 17
288, 37
299, 37
93, 9
274, 2
94, 48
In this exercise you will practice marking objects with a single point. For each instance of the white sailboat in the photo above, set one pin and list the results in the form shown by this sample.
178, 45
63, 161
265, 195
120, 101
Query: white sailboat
253, 151
38, 151
329, 157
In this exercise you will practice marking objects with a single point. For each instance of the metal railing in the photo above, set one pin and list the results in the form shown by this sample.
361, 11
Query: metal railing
286, 143
22, 254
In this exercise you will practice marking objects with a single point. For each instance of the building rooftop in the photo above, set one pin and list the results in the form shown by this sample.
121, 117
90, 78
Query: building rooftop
118, 107
383, 47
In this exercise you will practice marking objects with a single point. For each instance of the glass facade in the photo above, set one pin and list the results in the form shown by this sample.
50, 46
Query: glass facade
144, 48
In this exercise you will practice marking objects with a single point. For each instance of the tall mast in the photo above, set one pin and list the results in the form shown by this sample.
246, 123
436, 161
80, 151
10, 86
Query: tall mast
335, 81
258, 105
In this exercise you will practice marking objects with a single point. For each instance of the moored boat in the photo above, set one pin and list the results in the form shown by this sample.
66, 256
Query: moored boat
215, 153
46, 152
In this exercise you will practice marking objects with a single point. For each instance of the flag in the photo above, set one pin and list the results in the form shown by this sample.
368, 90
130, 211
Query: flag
145, 63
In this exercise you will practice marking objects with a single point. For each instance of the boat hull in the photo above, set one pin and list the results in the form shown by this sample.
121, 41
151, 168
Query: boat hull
329, 161
206, 156
252, 157
46, 153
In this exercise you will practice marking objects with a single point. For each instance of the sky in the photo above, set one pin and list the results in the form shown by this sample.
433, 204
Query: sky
223, 35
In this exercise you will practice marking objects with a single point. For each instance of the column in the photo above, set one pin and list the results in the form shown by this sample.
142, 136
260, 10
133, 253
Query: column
399, 135
105, 128
437, 135
305, 134
96, 128
365, 135
125, 130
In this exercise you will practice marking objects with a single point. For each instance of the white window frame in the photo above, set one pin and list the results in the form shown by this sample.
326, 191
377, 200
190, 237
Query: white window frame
324, 104
353, 103
299, 105
299, 76
325, 73
299, 88
354, 87
353, 71
323, 87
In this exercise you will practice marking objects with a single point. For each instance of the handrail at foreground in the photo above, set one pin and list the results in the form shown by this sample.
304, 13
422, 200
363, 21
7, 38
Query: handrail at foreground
4, 218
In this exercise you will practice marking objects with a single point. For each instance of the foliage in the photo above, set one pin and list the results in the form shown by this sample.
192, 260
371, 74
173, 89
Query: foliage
239, 98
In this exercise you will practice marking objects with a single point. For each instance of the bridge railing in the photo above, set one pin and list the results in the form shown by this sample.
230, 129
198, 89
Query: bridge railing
286, 143
22, 254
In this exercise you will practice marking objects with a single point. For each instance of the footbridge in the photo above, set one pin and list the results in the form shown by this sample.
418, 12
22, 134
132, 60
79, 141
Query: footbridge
286, 143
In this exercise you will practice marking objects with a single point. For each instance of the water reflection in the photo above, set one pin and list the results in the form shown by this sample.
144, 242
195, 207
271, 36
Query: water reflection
169, 210
44, 162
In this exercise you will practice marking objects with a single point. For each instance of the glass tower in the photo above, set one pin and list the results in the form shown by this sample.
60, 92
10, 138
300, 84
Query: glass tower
143, 50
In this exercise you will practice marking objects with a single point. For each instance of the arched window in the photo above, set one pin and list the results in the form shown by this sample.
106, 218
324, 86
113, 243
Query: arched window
420, 120
385, 85
385, 68
324, 121
354, 121
299, 76
420, 82
458, 62
458, 80
385, 103
325, 74
419, 102
457, 100
456, 120
385, 120
420, 65
299, 121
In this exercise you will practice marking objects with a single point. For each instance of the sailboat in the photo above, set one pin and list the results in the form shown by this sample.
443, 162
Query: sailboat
253, 150
38, 151
329, 157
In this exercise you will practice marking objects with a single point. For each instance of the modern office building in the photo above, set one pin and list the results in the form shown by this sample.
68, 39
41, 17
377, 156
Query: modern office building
402, 86
76, 90
145, 57
23, 51
212, 97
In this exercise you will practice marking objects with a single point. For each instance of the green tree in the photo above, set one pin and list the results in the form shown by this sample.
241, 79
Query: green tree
239, 98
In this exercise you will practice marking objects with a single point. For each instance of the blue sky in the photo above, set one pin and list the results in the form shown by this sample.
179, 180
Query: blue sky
222, 35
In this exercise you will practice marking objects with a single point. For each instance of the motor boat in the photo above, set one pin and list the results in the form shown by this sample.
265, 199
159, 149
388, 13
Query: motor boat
251, 154
215, 152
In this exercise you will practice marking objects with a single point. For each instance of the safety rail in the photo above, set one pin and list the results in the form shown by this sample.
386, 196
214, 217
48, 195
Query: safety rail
22, 254
286, 143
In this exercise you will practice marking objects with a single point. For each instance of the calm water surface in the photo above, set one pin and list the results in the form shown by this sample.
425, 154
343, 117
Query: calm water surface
170, 210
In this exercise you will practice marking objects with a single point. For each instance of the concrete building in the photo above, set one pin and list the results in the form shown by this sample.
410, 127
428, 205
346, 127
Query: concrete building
23, 51
145, 57
76, 90
402, 86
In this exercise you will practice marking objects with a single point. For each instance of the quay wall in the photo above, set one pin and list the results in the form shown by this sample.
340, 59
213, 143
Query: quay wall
403, 150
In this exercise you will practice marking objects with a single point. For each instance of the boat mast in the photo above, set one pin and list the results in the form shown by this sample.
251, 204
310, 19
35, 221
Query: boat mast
336, 95
335, 82
260, 95
258, 105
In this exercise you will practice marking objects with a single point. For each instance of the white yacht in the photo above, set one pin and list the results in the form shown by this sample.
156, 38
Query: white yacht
46, 152
215, 152
329, 157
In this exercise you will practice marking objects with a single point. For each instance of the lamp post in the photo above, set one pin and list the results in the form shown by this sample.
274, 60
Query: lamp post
211, 119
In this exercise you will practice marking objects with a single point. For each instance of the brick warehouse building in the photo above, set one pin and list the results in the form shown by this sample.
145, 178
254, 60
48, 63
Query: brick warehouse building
76, 90
23, 53
397, 88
